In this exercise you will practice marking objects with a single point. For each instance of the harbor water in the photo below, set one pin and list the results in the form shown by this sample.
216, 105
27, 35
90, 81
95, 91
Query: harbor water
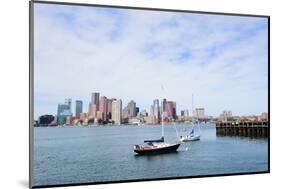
66, 155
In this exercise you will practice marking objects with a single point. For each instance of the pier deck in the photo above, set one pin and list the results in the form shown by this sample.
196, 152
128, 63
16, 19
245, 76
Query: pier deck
247, 129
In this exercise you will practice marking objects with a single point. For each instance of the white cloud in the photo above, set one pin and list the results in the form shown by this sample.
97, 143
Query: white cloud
129, 54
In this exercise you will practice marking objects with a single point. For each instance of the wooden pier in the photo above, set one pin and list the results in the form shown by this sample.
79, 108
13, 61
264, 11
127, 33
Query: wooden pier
246, 129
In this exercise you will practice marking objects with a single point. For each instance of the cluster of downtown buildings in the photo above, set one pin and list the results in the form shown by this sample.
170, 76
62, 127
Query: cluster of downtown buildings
103, 110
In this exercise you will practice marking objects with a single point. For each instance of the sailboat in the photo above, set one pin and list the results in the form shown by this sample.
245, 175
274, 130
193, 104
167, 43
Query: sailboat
158, 146
191, 136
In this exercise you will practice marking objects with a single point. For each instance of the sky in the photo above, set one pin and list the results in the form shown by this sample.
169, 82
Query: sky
143, 55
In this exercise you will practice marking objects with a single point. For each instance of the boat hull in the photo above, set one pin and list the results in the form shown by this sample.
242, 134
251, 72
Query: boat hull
162, 150
189, 139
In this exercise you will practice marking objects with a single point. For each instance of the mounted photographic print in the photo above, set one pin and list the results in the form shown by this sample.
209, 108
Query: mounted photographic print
123, 94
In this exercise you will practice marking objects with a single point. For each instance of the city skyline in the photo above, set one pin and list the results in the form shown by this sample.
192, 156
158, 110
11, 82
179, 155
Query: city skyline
103, 104
112, 111
221, 59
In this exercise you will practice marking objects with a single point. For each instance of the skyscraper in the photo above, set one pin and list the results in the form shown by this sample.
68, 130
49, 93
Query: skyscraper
163, 106
156, 108
78, 108
63, 111
62, 108
94, 105
132, 109
68, 102
152, 111
109, 108
93, 110
95, 98
117, 111
170, 109
155, 112
103, 107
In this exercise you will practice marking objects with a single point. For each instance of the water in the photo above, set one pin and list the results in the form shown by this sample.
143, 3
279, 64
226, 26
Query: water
66, 155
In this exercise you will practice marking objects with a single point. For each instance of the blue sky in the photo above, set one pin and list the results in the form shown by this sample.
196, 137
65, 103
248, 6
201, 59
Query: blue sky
129, 54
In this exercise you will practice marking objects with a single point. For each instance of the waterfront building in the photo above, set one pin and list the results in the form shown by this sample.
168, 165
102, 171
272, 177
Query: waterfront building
102, 108
163, 106
199, 113
131, 107
90, 111
84, 117
45, 120
155, 112
166, 119
78, 108
125, 113
117, 111
61, 117
62, 108
109, 108
70, 120
182, 112
151, 110
68, 102
143, 113
252, 118
76, 121
181, 117
170, 109
184, 115
225, 115
264, 116
63, 111
156, 108
153, 115
95, 99
100, 116
137, 110
93, 108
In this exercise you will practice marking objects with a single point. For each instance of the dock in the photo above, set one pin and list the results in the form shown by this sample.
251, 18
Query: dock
245, 129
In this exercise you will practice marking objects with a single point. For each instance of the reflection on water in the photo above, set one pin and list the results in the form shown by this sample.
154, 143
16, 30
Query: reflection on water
105, 153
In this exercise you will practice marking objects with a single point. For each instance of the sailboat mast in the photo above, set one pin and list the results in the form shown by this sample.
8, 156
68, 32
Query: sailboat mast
192, 120
162, 122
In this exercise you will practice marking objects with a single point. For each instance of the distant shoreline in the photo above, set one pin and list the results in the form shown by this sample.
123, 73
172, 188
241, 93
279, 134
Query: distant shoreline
122, 125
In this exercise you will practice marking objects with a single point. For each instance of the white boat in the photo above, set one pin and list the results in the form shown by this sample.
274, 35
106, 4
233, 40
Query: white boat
191, 136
